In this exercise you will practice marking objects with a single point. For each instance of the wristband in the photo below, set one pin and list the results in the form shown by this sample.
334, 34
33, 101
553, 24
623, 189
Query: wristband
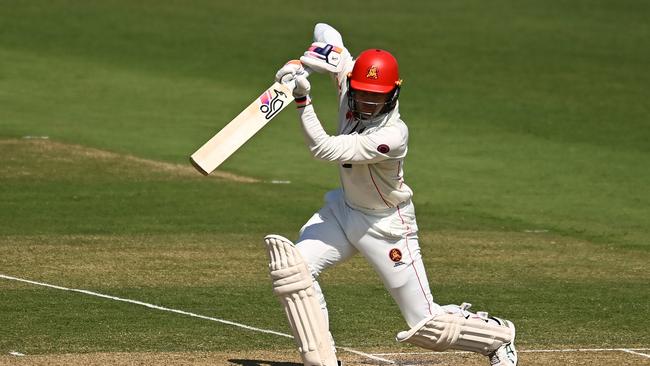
302, 102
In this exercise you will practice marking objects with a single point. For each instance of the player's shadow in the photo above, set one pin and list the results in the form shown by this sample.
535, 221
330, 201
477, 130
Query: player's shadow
263, 363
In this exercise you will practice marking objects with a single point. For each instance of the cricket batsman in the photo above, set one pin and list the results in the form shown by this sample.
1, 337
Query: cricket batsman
372, 213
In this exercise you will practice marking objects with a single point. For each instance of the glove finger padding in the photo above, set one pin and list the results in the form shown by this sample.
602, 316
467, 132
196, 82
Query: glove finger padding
289, 71
322, 57
302, 88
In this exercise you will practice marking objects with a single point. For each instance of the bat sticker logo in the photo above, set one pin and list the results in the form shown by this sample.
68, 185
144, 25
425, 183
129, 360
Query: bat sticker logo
272, 104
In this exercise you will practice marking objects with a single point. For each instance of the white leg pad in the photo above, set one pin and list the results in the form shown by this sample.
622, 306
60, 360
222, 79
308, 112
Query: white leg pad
454, 331
293, 285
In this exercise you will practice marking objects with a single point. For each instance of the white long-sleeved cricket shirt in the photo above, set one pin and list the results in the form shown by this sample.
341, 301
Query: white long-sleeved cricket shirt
370, 154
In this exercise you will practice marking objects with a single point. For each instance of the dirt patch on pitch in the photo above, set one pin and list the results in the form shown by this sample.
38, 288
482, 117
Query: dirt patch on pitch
282, 358
528, 358
290, 358
40, 158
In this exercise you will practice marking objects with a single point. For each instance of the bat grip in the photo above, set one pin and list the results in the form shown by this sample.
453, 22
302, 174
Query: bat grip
291, 84
308, 71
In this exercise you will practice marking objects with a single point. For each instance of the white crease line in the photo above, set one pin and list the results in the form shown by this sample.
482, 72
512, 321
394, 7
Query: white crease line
367, 355
520, 351
373, 357
627, 350
147, 305
275, 181
582, 350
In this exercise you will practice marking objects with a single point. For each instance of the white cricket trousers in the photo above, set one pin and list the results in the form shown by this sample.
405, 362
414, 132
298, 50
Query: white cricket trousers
387, 240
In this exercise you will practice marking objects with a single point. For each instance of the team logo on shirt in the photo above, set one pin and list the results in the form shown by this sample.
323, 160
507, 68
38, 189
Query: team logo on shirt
395, 255
373, 73
383, 148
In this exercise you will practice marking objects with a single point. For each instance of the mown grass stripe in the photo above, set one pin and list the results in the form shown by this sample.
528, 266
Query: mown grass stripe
152, 306
162, 308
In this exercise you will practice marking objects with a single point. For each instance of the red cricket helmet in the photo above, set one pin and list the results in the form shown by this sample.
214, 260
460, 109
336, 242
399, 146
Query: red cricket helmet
375, 71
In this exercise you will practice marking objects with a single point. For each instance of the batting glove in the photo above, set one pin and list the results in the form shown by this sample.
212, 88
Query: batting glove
322, 57
289, 71
301, 91
303, 87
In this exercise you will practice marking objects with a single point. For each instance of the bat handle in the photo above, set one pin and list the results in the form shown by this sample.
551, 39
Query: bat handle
308, 71
291, 83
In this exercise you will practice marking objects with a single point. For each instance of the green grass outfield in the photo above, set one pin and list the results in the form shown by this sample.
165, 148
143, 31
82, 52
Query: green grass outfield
529, 156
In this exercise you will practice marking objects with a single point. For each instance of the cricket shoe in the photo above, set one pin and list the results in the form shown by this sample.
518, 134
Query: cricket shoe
506, 355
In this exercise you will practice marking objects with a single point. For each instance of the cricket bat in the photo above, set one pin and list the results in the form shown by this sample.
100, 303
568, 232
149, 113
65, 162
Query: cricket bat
214, 152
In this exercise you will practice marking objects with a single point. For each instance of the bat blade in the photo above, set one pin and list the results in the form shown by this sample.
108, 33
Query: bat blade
232, 136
